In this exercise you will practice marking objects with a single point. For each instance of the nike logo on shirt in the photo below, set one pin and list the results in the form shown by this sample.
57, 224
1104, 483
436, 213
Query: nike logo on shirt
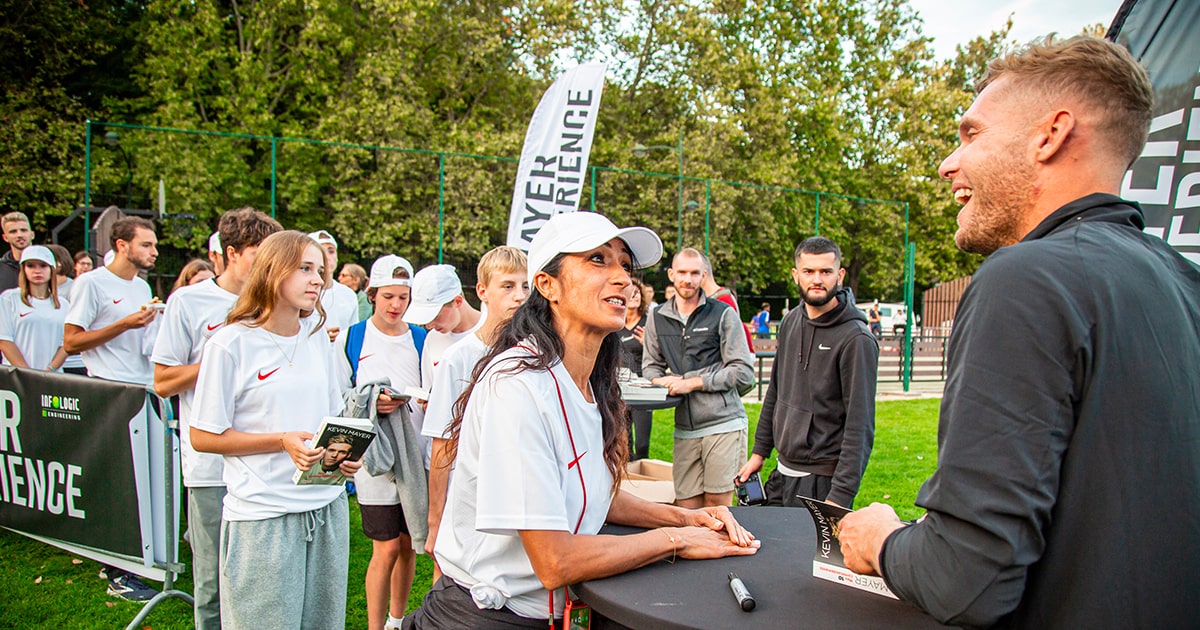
24, 314
822, 346
118, 301
213, 327
263, 377
365, 357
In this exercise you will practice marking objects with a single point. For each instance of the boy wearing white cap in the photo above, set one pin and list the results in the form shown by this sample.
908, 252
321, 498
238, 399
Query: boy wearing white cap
340, 302
384, 346
216, 255
438, 305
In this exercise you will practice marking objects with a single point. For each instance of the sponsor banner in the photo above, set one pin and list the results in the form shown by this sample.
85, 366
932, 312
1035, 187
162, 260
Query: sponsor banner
553, 166
1165, 179
67, 459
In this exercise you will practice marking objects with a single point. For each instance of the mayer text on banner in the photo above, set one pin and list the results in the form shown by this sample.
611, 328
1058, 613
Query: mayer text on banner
1165, 179
553, 166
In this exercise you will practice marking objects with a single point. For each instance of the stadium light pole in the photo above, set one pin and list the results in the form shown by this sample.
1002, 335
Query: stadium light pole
641, 151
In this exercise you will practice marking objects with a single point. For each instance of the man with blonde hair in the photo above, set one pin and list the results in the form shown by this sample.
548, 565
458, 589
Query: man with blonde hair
1067, 493
18, 235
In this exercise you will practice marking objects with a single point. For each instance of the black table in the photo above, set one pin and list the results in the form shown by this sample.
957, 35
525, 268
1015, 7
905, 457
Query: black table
695, 594
651, 405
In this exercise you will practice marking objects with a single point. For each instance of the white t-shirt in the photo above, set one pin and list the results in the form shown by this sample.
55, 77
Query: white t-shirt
246, 384
450, 379
194, 314
101, 298
36, 330
436, 345
341, 306
394, 358
515, 472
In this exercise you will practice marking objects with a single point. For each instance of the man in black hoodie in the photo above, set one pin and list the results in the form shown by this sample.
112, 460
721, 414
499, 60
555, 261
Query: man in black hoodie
820, 407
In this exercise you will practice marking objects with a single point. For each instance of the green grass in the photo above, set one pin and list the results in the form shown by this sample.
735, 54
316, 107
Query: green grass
71, 595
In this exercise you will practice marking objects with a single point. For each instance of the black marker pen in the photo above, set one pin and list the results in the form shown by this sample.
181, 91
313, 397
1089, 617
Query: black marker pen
739, 591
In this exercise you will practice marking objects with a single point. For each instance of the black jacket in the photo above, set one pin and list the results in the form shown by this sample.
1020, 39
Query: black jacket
9, 270
1067, 493
819, 412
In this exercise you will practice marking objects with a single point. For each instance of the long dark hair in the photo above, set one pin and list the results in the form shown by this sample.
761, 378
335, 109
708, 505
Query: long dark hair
534, 321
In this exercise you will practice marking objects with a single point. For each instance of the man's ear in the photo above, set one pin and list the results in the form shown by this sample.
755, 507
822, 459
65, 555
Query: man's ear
1052, 134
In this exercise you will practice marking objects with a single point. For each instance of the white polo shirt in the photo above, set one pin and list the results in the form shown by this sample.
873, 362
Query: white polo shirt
517, 470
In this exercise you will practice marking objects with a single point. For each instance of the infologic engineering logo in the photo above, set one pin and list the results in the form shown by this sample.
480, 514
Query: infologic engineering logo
60, 407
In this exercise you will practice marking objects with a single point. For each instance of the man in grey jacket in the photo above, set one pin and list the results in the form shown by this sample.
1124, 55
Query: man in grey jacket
702, 342
820, 407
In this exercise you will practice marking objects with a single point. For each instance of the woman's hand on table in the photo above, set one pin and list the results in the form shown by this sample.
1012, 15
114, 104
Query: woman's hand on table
704, 543
720, 519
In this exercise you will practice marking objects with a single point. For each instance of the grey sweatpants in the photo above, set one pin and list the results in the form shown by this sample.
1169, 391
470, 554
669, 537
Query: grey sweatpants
204, 532
286, 572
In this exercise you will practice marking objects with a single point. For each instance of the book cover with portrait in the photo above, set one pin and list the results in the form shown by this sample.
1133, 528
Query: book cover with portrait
344, 439
828, 562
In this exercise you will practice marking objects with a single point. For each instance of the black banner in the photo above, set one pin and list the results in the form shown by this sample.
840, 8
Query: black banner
66, 460
1165, 180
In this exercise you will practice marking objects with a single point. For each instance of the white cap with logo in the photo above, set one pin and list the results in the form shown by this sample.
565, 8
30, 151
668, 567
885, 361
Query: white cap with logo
214, 243
575, 232
37, 252
432, 288
383, 272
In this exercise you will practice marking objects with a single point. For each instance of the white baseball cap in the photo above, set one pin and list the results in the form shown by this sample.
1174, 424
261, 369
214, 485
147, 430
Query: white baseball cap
384, 270
574, 232
214, 243
37, 252
322, 237
432, 288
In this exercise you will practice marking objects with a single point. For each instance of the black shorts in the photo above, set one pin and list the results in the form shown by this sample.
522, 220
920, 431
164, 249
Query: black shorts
383, 522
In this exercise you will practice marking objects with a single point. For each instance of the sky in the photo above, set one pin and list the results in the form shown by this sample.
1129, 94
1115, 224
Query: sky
954, 22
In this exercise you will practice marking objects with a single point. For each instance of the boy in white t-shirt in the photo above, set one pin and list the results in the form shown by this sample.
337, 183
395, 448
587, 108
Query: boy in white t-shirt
438, 305
339, 301
194, 314
384, 346
111, 308
502, 287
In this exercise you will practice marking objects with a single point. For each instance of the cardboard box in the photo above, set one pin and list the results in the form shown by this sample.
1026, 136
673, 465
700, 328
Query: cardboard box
650, 479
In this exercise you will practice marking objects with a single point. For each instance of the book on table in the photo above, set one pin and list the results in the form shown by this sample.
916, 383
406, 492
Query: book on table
642, 390
828, 562
344, 439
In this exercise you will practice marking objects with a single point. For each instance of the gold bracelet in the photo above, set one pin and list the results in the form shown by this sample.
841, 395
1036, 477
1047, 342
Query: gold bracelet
281, 446
674, 547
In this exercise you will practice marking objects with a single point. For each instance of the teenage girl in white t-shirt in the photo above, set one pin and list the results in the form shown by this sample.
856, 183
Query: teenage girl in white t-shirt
32, 315
539, 444
266, 380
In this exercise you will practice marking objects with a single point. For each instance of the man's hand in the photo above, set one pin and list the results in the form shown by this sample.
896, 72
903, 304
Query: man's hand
332, 331
138, 319
677, 385
862, 535
350, 467
385, 405
752, 465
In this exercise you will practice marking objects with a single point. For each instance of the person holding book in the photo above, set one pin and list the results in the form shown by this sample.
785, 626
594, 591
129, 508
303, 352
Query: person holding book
266, 380
383, 347
32, 315
540, 444
503, 287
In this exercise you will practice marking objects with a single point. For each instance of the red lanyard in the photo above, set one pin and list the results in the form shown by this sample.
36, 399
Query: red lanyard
574, 463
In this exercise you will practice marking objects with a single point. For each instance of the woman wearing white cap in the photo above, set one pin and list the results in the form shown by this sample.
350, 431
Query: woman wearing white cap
540, 443
32, 315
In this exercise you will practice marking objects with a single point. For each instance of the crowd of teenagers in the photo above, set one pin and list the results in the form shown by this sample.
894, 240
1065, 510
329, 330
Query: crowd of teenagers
518, 435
